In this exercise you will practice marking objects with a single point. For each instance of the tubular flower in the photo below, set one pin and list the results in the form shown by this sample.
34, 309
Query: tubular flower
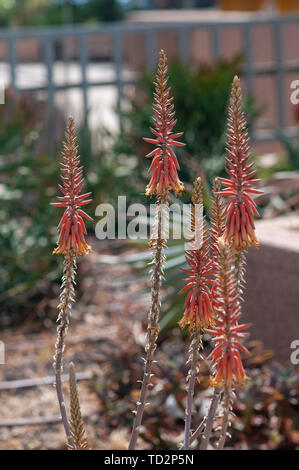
225, 358
164, 164
198, 309
72, 227
241, 209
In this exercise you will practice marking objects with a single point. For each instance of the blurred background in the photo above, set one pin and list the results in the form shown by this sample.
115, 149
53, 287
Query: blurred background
95, 59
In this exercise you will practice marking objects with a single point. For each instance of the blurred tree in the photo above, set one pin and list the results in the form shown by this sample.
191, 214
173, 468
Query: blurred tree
49, 12
164, 4
97, 10
27, 12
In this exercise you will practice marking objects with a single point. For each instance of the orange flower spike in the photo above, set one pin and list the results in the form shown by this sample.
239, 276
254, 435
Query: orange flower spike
241, 209
164, 165
225, 358
198, 309
71, 226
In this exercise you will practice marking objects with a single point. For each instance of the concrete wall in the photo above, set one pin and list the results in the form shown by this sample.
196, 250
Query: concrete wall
272, 288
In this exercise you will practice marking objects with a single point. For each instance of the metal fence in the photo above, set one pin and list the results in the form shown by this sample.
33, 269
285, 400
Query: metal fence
117, 32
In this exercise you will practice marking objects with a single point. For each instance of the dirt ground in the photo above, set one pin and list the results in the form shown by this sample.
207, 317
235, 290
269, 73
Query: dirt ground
101, 322
105, 341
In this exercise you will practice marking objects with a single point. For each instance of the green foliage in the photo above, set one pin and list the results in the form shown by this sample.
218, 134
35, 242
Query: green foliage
25, 226
97, 10
51, 12
109, 171
28, 183
27, 222
292, 148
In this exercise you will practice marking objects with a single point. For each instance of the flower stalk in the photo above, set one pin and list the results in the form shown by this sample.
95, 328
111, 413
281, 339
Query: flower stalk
227, 404
227, 368
164, 179
193, 360
241, 209
205, 439
66, 298
77, 431
216, 232
238, 235
198, 312
198, 308
239, 186
152, 328
71, 243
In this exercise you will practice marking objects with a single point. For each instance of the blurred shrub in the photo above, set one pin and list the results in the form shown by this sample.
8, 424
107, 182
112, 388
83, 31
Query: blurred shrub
51, 12
291, 147
27, 222
28, 183
109, 171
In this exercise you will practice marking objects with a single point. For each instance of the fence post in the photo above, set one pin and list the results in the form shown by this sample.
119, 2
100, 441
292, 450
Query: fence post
49, 59
118, 63
13, 64
279, 74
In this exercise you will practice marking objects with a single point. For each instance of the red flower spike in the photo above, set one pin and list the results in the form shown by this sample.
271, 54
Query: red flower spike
71, 226
198, 309
164, 165
225, 358
241, 209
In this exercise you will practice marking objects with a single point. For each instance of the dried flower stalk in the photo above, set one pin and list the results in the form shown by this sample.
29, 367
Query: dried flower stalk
77, 431
71, 243
164, 179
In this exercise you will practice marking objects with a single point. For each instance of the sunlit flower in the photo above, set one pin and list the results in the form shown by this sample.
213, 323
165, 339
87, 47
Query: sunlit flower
241, 209
225, 358
198, 309
72, 227
164, 165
